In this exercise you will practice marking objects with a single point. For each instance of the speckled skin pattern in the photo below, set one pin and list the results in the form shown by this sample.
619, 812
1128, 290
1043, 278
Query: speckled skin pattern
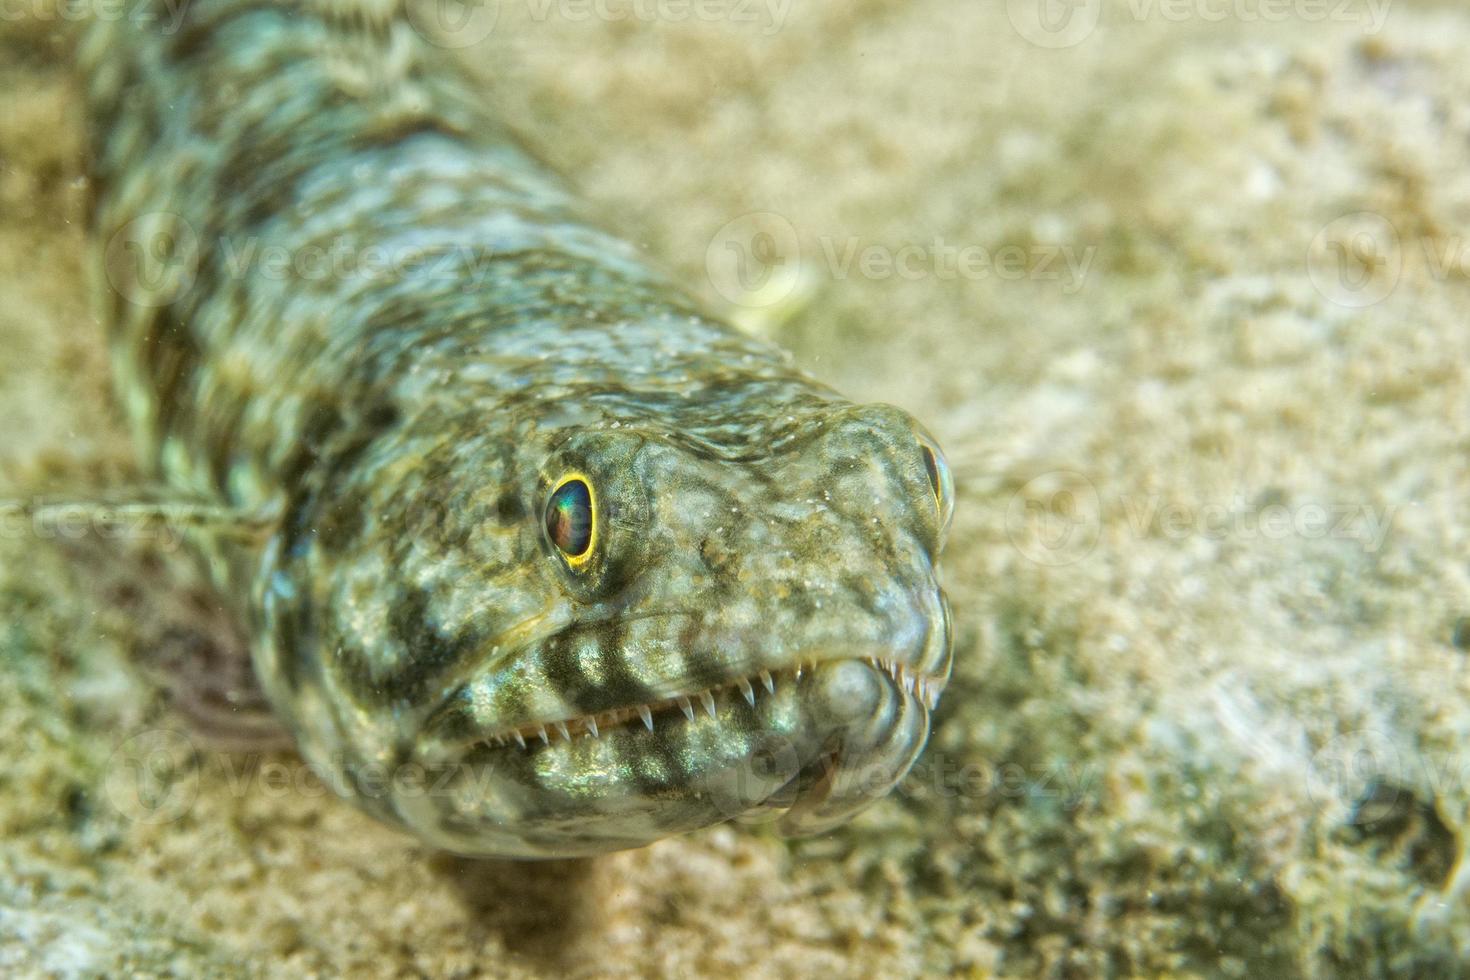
759, 630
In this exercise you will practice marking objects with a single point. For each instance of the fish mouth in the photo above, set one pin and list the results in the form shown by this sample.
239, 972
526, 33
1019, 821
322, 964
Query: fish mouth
920, 687
803, 747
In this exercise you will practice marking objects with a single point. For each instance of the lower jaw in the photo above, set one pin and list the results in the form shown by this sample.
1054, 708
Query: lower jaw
870, 749
806, 757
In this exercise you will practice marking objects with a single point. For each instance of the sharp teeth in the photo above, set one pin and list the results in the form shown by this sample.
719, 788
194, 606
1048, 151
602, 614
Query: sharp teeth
925, 689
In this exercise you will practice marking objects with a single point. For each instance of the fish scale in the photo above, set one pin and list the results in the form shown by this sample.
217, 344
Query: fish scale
341, 295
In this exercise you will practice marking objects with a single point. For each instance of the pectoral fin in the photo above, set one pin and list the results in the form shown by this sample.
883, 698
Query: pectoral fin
137, 516
173, 568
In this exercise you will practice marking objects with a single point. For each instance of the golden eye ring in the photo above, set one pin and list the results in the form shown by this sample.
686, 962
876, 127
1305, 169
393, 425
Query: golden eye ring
941, 480
571, 519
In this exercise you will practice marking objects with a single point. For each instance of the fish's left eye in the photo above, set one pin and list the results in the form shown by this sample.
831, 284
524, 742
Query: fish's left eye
940, 480
571, 519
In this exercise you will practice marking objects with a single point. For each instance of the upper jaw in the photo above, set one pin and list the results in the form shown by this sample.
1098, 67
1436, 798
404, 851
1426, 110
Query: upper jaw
922, 687
453, 726
530, 694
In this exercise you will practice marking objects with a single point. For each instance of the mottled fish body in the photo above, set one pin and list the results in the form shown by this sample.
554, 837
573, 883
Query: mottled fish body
556, 562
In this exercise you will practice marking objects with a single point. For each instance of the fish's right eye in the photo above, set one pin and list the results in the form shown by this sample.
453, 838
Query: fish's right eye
940, 480
571, 519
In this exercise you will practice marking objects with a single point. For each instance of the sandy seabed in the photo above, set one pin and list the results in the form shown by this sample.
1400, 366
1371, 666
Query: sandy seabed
1185, 301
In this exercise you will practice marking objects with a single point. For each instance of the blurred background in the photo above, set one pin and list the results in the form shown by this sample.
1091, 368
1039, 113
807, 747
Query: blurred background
1181, 287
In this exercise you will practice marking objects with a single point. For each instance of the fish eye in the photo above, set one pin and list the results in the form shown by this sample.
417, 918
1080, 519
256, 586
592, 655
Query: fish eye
571, 519
940, 480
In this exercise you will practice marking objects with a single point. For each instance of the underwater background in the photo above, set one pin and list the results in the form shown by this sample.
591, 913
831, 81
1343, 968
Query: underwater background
1181, 287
